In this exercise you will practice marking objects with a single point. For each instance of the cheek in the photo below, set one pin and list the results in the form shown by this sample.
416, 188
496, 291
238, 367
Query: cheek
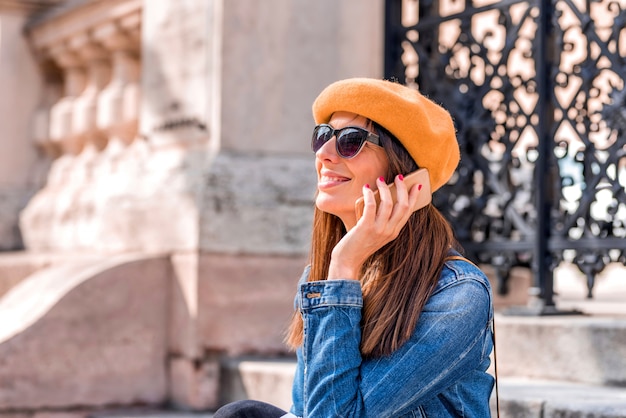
383, 168
376, 171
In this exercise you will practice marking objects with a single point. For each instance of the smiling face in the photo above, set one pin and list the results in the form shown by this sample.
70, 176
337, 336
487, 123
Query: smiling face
340, 181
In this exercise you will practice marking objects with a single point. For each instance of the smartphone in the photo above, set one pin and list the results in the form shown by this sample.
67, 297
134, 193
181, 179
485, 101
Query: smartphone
417, 177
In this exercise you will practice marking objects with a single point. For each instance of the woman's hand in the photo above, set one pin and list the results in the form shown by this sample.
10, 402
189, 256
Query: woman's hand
377, 227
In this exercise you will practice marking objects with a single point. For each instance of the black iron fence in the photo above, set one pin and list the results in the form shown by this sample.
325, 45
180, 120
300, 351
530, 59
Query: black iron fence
537, 92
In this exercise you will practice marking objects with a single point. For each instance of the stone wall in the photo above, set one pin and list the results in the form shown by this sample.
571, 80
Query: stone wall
256, 194
183, 129
86, 334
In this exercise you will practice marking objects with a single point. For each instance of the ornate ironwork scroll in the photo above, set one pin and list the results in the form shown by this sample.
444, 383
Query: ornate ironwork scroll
537, 92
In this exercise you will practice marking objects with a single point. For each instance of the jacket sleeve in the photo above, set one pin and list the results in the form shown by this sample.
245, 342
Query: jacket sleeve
330, 356
334, 381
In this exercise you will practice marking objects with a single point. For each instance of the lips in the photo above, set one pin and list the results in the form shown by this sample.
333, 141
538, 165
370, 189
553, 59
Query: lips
326, 179
330, 180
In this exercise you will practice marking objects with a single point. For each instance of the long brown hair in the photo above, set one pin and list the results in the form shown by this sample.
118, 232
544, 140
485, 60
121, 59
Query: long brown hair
397, 279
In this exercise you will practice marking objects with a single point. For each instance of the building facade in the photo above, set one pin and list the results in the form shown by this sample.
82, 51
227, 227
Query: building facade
156, 188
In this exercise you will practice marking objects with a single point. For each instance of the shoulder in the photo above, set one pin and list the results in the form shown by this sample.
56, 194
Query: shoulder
458, 271
459, 283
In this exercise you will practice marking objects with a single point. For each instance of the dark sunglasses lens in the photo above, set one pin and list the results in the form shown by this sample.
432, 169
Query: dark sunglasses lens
350, 142
321, 135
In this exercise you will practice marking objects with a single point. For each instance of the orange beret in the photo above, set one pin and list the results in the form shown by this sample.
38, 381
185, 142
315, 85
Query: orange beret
424, 128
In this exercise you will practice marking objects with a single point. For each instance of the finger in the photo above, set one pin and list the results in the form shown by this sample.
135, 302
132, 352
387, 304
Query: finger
414, 197
386, 202
402, 196
401, 209
369, 202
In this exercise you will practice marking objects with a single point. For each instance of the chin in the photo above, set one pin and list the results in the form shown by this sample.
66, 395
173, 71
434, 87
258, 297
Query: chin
328, 204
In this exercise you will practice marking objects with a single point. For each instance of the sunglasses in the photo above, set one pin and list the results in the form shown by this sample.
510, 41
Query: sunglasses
350, 140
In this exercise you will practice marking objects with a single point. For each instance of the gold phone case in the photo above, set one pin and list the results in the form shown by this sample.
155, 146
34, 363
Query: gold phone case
417, 177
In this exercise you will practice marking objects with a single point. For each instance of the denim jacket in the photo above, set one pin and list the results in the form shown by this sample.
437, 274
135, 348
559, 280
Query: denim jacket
439, 372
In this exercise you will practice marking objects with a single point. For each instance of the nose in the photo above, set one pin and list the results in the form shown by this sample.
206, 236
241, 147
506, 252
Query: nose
328, 151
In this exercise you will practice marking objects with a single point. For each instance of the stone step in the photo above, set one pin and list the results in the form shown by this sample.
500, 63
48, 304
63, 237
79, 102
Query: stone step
582, 349
147, 413
520, 397
267, 380
531, 398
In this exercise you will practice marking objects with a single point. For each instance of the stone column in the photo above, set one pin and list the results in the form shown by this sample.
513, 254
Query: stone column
257, 205
21, 163
181, 96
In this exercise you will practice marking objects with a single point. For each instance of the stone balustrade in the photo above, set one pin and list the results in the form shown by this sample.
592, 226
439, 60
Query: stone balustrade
87, 124
96, 49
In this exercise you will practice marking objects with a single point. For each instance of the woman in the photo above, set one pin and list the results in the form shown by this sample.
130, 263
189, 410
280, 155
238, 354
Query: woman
391, 321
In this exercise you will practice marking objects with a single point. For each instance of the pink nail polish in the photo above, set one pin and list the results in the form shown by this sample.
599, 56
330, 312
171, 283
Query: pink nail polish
381, 178
401, 177
419, 187
367, 186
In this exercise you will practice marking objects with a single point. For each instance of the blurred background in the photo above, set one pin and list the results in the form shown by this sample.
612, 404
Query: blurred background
157, 183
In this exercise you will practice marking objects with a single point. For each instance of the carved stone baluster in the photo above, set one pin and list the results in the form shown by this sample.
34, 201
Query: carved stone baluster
52, 92
86, 107
119, 102
61, 113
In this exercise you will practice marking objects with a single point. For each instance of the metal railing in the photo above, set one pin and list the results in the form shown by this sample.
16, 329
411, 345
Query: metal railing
536, 89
